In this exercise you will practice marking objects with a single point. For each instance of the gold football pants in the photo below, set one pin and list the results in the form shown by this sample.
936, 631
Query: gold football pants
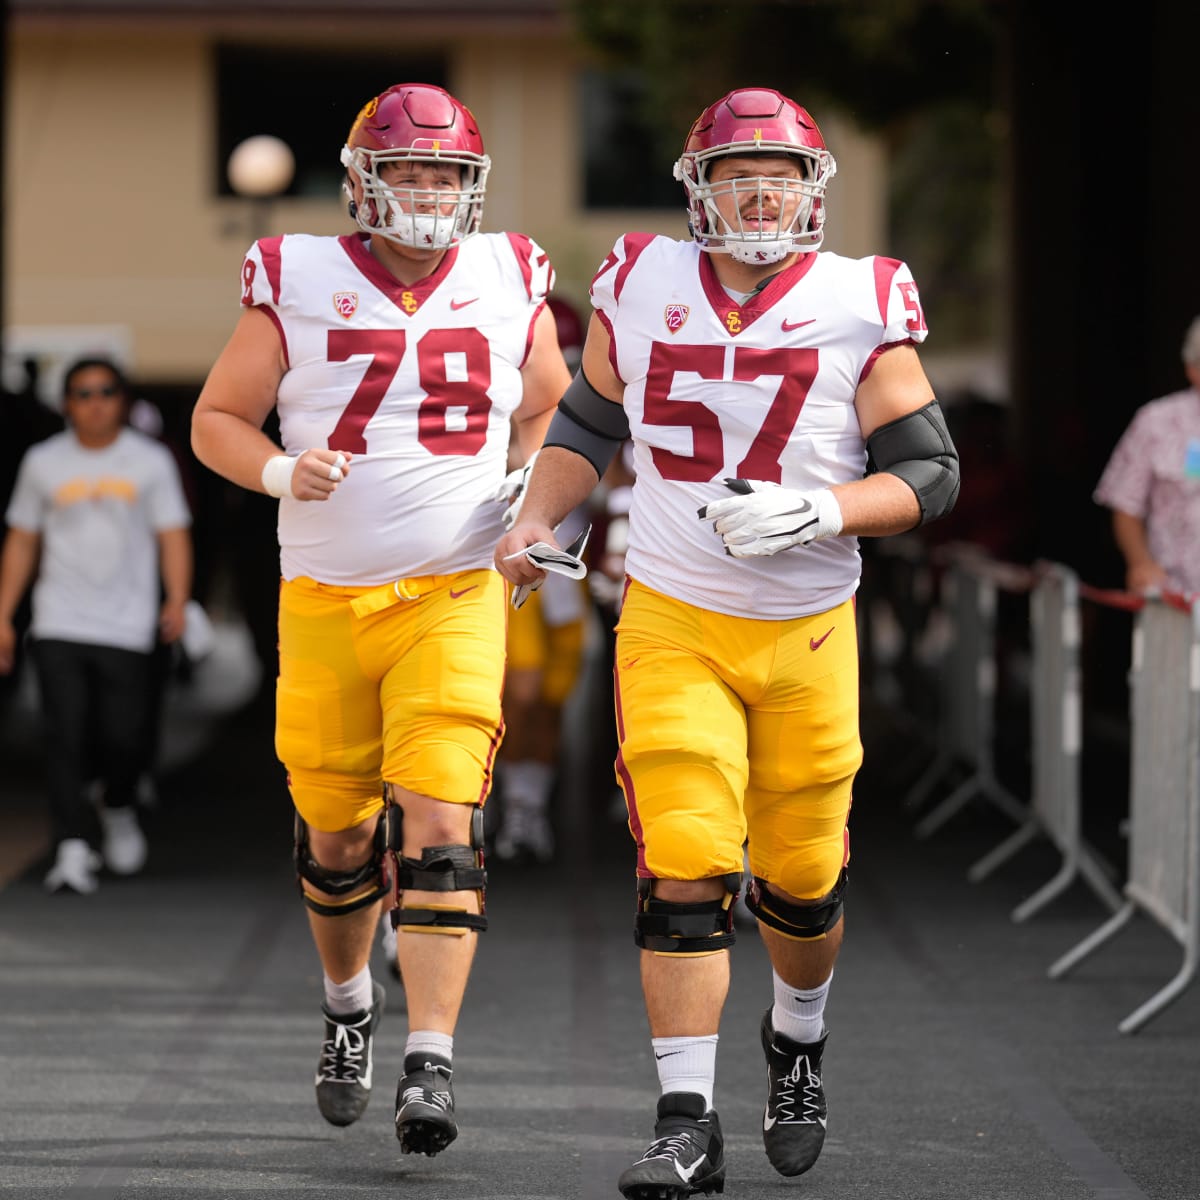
400, 683
731, 727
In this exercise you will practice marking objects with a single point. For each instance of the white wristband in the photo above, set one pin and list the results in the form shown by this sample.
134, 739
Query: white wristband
277, 475
829, 514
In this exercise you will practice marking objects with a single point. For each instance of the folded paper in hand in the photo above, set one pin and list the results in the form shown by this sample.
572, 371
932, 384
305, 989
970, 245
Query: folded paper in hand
542, 555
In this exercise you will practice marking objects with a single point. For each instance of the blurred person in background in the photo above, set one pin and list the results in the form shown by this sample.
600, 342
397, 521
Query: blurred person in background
401, 360
99, 524
1152, 485
545, 643
609, 510
778, 412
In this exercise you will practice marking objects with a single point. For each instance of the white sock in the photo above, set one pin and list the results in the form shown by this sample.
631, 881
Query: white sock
427, 1041
799, 1014
528, 783
687, 1064
350, 997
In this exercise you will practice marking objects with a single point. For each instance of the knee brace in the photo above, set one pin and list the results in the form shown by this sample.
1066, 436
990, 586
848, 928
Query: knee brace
804, 922
359, 886
672, 927
454, 868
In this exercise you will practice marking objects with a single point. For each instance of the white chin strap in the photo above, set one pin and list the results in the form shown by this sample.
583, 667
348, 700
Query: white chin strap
759, 253
422, 231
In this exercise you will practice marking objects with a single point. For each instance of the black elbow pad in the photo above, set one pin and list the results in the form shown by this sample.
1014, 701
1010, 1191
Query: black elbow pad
589, 424
918, 448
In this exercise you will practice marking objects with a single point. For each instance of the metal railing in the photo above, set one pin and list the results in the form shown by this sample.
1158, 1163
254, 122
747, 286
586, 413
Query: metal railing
1164, 822
967, 679
1056, 733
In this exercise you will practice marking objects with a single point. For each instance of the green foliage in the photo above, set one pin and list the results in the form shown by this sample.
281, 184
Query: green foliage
921, 74
880, 61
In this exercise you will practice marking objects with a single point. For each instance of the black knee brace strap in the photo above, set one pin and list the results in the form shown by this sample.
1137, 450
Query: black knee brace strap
454, 868
801, 921
365, 885
671, 927
441, 869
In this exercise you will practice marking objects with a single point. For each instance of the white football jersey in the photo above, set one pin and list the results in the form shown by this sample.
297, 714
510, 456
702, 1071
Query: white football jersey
763, 389
419, 383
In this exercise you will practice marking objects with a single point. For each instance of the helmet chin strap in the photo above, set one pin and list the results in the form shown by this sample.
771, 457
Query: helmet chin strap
759, 253
753, 251
422, 231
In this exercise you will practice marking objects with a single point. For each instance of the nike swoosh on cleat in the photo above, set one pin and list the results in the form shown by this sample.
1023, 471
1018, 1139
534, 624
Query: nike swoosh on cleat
768, 1122
813, 643
686, 1176
455, 305
455, 595
788, 326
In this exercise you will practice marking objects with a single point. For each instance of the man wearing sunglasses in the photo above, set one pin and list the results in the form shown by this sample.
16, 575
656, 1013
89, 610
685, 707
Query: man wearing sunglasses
96, 522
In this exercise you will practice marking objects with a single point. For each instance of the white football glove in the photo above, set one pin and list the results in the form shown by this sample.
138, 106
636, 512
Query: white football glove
764, 518
513, 491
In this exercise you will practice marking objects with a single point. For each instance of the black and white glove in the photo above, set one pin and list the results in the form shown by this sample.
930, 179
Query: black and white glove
513, 491
764, 518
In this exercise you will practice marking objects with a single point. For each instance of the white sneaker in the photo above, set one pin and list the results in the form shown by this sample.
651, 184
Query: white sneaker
75, 867
124, 841
387, 939
525, 833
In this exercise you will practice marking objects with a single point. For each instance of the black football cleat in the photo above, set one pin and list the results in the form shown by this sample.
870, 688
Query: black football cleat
687, 1155
794, 1120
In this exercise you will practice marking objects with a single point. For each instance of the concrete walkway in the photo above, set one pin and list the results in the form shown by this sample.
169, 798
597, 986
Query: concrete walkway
160, 1037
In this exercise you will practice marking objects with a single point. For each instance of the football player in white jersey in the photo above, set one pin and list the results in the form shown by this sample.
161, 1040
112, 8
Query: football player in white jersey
400, 358
778, 412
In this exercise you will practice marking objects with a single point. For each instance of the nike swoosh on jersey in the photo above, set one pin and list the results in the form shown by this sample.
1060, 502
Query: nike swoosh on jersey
816, 643
455, 595
457, 304
787, 326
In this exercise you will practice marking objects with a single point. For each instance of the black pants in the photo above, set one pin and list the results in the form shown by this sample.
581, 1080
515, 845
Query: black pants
95, 704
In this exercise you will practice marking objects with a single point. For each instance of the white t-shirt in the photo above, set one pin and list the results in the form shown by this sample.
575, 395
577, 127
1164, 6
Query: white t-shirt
418, 382
762, 389
98, 513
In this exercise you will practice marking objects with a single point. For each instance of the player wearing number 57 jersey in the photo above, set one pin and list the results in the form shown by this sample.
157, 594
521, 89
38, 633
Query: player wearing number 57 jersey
778, 411
759, 388
400, 360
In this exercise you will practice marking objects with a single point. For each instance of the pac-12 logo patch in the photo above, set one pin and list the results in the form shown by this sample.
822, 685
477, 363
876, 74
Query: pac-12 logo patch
675, 316
345, 304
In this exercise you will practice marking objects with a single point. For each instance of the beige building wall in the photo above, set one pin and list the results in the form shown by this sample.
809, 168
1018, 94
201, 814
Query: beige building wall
113, 236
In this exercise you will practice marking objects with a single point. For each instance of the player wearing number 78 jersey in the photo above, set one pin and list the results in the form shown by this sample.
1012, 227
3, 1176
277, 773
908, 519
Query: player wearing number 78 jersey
400, 360
778, 412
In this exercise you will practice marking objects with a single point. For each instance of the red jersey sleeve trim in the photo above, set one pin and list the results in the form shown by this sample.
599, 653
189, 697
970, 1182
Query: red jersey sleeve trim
612, 341
878, 352
529, 336
522, 247
634, 244
885, 272
272, 259
274, 316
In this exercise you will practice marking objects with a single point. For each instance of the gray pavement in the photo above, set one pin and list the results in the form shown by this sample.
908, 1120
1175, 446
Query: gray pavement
160, 1036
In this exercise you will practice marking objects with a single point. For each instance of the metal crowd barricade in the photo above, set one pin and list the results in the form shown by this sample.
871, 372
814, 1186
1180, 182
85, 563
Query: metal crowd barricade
1164, 820
968, 690
1056, 707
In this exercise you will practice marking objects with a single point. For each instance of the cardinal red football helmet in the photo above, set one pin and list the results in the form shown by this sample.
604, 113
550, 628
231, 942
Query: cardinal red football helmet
415, 122
756, 121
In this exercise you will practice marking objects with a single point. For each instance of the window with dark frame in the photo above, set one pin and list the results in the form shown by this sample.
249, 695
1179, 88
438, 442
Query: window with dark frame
625, 164
308, 98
